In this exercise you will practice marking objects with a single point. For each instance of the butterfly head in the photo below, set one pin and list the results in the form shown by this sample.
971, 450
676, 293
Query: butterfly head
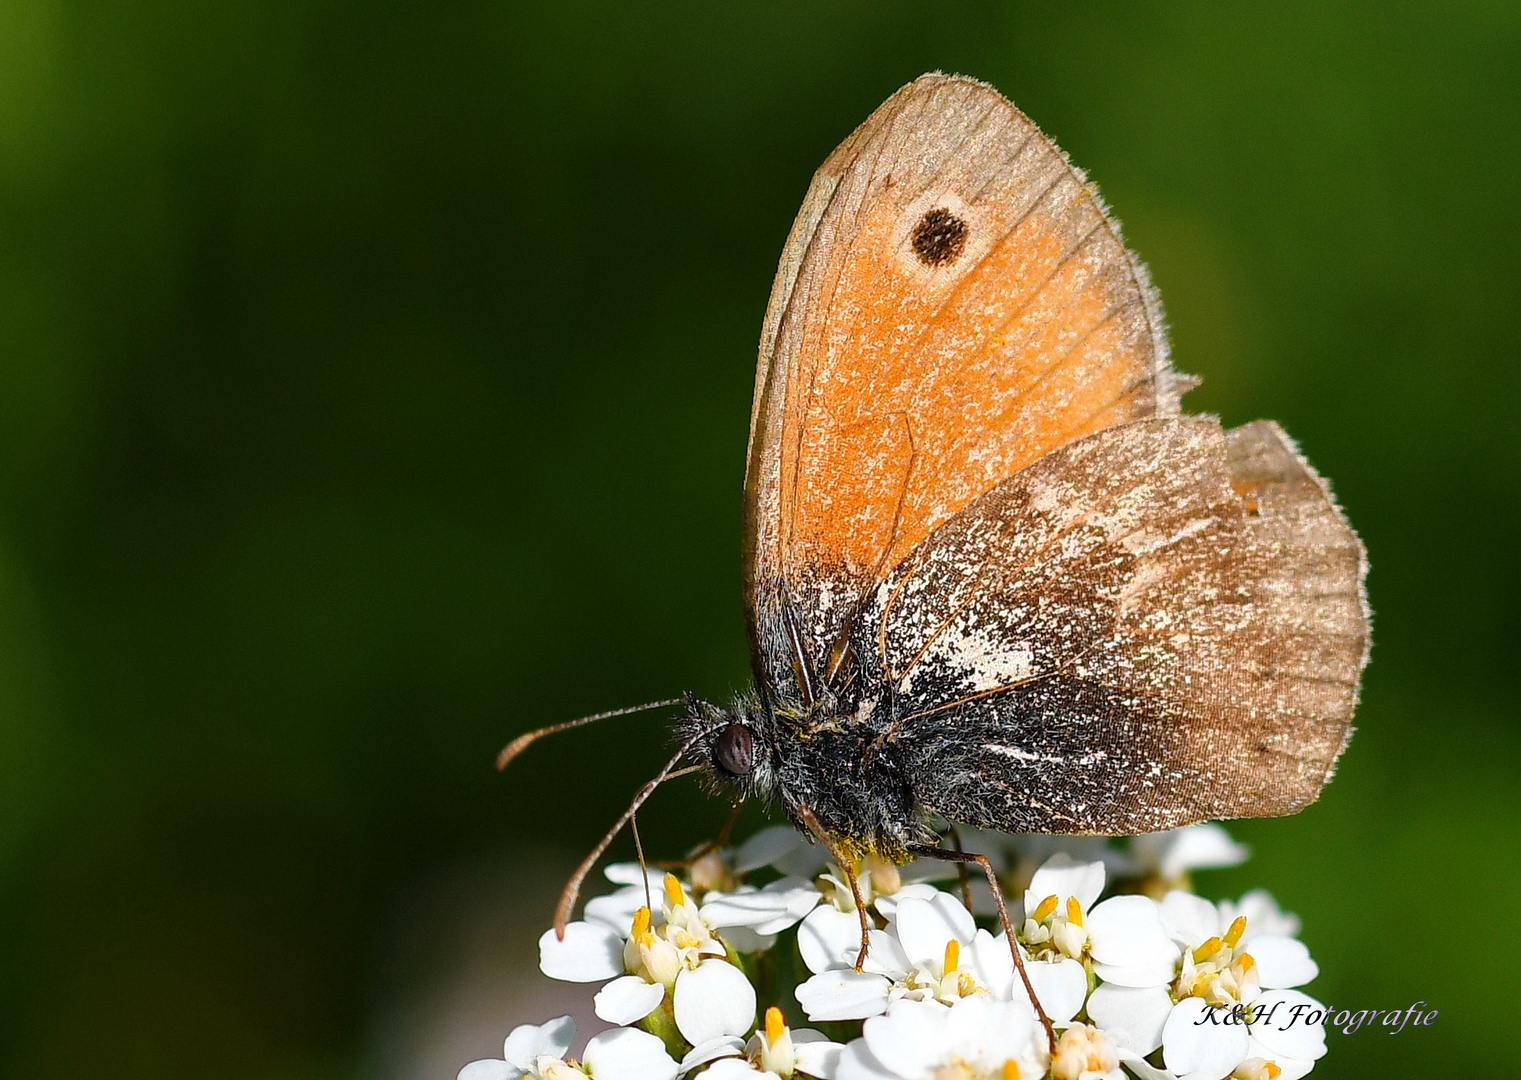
735, 745
811, 762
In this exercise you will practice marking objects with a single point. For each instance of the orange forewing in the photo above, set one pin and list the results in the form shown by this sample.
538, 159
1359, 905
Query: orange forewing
895, 388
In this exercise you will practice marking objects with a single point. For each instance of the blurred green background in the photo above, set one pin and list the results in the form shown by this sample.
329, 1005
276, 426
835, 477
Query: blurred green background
374, 385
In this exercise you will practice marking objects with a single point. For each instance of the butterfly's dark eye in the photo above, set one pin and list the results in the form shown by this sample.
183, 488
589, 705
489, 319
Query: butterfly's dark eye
736, 750
939, 238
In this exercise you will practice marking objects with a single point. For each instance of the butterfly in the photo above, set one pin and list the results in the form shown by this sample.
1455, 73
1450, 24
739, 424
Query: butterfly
994, 576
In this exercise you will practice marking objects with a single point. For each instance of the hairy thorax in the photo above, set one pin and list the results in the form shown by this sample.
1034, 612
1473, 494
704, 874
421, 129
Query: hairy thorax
819, 760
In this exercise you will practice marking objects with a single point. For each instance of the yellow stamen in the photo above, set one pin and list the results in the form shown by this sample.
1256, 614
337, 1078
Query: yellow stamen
1246, 963
673, 894
775, 1029
952, 955
685, 940
1272, 1070
1043, 912
1010, 1070
641, 923
1074, 911
1208, 949
1233, 935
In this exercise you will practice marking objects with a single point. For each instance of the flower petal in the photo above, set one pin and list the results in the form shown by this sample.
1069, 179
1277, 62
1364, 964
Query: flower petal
711, 1050
1286, 1034
528, 1042
1127, 931
1193, 1043
627, 1000
887, 904
489, 1069
1140, 1067
1189, 919
590, 952
746, 940
983, 1031
1153, 973
768, 911
1132, 1016
628, 873
1062, 876
830, 940
993, 965
924, 927
817, 1057
735, 1069
1282, 961
843, 995
826, 935
616, 909
628, 1054
807, 1035
713, 999
857, 1062
911, 1037
1060, 986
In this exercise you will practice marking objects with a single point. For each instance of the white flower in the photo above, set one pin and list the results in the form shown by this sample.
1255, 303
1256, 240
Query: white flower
1172, 854
678, 955
1123, 936
538, 1053
640, 888
775, 1051
1279, 1033
1200, 1019
1221, 947
932, 951
1199, 1037
1277, 1044
1061, 985
920, 958
751, 918
977, 1038
1017, 856
829, 941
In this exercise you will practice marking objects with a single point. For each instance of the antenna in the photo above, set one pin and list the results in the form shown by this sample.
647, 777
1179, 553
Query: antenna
521, 743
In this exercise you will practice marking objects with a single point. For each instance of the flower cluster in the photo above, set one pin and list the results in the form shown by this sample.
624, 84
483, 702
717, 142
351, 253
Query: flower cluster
1138, 975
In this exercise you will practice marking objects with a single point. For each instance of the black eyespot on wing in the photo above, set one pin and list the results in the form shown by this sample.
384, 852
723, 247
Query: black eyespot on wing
735, 751
939, 238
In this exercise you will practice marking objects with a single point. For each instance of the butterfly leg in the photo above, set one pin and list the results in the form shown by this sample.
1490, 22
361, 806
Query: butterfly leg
962, 872
964, 857
848, 867
728, 826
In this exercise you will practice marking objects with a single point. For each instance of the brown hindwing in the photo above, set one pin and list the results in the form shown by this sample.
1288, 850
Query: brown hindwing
1160, 623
